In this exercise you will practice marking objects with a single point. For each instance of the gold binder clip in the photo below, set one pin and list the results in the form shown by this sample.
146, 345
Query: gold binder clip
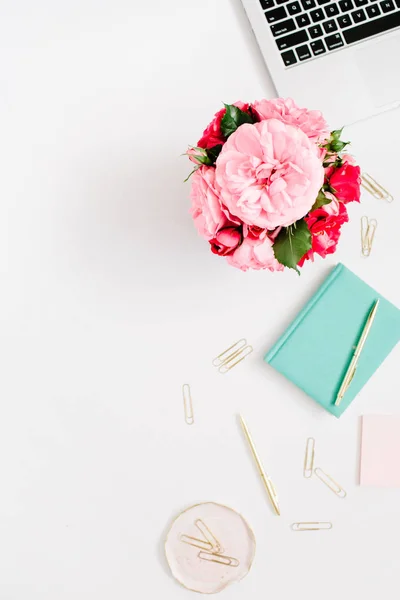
368, 228
209, 536
232, 356
375, 189
311, 526
188, 404
309, 458
331, 483
227, 561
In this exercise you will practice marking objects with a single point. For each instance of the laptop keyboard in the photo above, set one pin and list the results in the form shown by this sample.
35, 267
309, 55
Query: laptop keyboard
305, 29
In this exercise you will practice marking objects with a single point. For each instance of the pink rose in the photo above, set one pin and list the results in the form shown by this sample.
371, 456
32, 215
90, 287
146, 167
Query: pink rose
255, 254
206, 205
269, 174
226, 241
325, 225
310, 121
212, 135
346, 181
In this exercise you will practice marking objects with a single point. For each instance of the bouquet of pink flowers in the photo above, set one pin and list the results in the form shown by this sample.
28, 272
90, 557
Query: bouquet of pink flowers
270, 185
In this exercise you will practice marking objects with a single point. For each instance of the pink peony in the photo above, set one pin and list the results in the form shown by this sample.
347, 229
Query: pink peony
269, 174
286, 110
206, 205
255, 254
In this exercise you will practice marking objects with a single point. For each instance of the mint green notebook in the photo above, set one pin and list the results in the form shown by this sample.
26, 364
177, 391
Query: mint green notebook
315, 351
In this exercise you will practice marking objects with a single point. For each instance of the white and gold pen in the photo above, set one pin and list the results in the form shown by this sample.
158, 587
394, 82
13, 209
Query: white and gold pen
269, 486
354, 361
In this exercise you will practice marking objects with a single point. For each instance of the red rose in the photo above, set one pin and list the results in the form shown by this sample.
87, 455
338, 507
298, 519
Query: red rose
325, 224
346, 182
226, 241
212, 135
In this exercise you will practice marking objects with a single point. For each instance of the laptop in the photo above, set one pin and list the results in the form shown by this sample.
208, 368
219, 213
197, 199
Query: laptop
338, 56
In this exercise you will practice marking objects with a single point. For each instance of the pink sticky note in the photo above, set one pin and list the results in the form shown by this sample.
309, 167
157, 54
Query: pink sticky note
380, 450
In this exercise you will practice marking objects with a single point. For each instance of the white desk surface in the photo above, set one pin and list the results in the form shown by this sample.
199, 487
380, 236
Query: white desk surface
110, 302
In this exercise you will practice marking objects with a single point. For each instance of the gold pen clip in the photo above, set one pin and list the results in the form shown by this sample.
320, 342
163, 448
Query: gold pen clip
374, 188
331, 483
309, 458
311, 526
227, 561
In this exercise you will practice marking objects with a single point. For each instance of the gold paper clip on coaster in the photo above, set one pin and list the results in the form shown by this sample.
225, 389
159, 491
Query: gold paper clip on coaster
232, 356
375, 189
311, 526
368, 228
309, 458
208, 535
196, 542
187, 404
227, 561
331, 483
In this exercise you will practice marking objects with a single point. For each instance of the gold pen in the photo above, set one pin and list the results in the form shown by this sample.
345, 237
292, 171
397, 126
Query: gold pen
354, 361
269, 486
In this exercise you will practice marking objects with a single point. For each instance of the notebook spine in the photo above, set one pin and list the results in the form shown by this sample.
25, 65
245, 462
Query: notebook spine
293, 326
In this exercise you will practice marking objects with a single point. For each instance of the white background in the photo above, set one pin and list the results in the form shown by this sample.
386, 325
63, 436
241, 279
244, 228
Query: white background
110, 302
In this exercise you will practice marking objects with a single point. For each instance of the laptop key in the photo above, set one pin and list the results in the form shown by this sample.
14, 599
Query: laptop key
267, 4
387, 6
281, 1
303, 52
359, 3
283, 27
318, 47
294, 8
346, 5
366, 30
303, 20
308, 4
288, 41
277, 14
359, 16
332, 10
315, 31
374, 10
289, 58
334, 41
344, 21
317, 15
323, 2
330, 26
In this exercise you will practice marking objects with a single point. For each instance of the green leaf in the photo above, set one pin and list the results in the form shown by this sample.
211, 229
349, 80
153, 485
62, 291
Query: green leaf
336, 134
191, 173
213, 153
320, 201
232, 119
292, 244
338, 145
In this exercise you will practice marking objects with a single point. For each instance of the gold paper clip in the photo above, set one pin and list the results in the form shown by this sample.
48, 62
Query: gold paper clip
309, 458
227, 561
188, 404
232, 356
368, 228
311, 526
192, 541
209, 536
331, 483
375, 189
